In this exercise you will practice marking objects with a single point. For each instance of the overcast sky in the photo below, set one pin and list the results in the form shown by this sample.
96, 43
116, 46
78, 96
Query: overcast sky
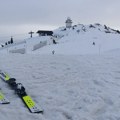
18, 17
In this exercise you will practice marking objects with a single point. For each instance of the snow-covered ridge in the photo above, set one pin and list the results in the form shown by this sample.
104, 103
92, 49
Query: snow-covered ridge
84, 39
80, 28
79, 39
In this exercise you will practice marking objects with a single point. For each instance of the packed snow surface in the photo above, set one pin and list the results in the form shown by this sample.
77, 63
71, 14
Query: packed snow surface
67, 87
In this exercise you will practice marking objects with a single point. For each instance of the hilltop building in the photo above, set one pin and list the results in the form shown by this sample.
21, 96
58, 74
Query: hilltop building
68, 23
45, 33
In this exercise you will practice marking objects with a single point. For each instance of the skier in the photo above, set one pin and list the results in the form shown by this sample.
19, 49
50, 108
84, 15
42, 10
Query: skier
53, 52
93, 43
54, 42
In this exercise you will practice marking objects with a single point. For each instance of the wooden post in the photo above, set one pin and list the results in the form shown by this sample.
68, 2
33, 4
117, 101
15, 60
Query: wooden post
31, 33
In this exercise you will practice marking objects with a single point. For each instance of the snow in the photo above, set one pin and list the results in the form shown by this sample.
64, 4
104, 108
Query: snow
77, 40
79, 82
71, 42
65, 86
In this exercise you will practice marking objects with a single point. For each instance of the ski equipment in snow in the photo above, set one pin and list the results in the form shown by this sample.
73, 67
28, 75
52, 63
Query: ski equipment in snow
3, 99
20, 91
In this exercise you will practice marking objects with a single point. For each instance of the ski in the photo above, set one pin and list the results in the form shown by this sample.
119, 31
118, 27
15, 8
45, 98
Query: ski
31, 104
3, 99
20, 91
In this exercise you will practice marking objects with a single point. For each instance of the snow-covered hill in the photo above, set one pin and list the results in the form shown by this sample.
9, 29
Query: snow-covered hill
78, 82
84, 39
79, 39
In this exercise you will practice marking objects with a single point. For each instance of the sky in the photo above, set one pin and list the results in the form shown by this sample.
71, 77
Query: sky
18, 17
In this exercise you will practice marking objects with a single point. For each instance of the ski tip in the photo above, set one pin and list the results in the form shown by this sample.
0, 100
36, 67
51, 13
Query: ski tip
6, 103
39, 112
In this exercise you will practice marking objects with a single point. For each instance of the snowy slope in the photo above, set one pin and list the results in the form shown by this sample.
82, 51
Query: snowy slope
27, 45
67, 87
79, 40
78, 82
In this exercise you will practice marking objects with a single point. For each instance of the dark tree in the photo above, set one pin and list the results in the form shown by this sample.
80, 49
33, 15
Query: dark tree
8, 42
11, 40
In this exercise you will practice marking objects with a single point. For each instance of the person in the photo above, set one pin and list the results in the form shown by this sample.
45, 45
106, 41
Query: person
53, 52
54, 42
93, 43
